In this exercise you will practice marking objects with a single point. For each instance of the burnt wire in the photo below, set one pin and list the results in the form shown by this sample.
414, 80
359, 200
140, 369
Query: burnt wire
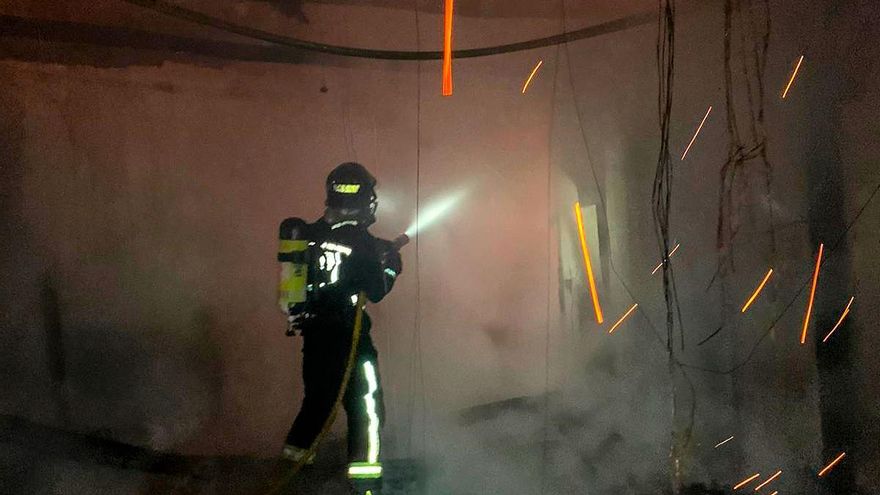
664, 33
662, 200
745, 143
662, 193
716, 332
665, 16
760, 51
794, 298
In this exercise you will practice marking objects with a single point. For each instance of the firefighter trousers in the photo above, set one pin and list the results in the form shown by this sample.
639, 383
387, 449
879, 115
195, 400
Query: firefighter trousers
325, 356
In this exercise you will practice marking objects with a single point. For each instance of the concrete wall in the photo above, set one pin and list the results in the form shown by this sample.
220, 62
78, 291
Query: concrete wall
150, 198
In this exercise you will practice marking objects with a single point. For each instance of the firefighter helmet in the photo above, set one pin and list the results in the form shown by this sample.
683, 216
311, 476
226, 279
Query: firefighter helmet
351, 187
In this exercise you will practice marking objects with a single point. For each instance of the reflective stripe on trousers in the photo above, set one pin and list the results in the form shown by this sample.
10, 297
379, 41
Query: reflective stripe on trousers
371, 468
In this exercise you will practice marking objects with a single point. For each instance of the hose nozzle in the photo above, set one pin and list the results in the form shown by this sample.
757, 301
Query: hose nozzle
400, 241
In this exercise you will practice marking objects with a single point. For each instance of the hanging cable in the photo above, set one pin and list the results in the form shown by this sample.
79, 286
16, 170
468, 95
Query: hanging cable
688, 437
776, 320
662, 198
179, 12
662, 194
745, 143
417, 364
347, 129
793, 299
546, 419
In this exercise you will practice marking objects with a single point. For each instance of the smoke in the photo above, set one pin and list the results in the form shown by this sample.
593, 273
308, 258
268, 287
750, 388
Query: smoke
604, 430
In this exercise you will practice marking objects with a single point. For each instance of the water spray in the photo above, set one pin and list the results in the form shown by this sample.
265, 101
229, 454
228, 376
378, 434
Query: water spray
431, 215
435, 211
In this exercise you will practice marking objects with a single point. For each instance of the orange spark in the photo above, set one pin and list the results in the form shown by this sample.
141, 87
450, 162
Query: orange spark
775, 493
845, 312
746, 481
586, 250
633, 308
762, 485
833, 463
757, 291
667, 258
529, 80
793, 75
447, 49
812, 294
696, 133
725, 441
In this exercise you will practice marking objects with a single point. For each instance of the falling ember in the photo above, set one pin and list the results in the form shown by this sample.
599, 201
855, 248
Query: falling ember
529, 80
775, 493
696, 134
725, 441
812, 295
757, 291
746, 481
633, 308
586, 250
793, 75
845, 312
762, 485
833, 463
447, 49
667, 258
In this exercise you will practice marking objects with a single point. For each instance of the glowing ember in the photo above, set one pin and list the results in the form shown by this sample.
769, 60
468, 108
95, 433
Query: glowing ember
529, 80
757, 291
793, 75
447, 49
845, 312
633, 308
833, 463
667, 258
746, 481
723, 442
812, 295
696, 133
762, 485
586, 251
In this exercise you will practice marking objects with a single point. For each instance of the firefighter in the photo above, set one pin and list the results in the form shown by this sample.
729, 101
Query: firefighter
324, 266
